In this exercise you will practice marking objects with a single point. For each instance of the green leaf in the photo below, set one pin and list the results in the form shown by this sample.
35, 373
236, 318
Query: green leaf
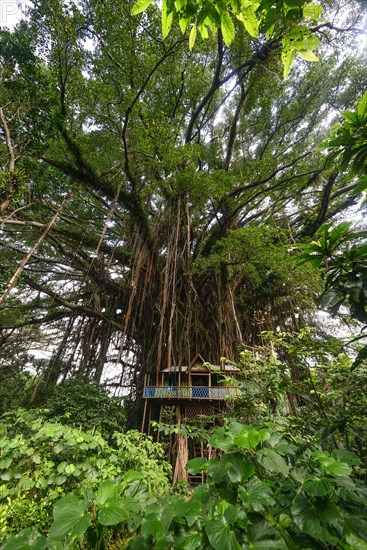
27, 539
287, 60
192, 37
61, 467
71, 517
220, 534
190, 540
261, 536
36, 459
196, 465
250, 21
140, 6
355, 543
113, 511
132, 475
238, 469
167, 18
204, 32
107, 490
183, 22
256, 495
272, 461
317, 487
247, 439
187, 509
223, 440
334, 467
346, 456
313, 11
5, 463
25, 483
216, 470
152, 526
227, 27
308, 516
307, 55
70, 468
362, 107
332, 298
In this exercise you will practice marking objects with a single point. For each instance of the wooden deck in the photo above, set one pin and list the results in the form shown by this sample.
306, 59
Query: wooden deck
190, 392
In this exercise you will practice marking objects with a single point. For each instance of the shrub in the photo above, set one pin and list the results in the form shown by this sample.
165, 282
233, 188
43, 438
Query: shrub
41, 461
86, 406
262, 491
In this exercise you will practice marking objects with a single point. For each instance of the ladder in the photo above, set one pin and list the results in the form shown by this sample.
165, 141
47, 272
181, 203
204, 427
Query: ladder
198, 451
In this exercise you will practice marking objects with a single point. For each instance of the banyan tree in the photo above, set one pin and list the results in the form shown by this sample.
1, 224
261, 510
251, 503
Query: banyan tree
152, 196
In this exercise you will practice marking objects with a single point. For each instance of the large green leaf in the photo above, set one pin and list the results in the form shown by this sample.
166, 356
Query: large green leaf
187, 509
107, 490
227, 27
220, 534
308, 55
332, 298
190, 540
223, 440
113, 511
71, 517
362, 107
140, 6
153, 526
256, 495
317, 487
196, 465
334, 467
343, 455
355, 543
272, 461
288, 55
248, 438
167, 18
313, 517
132, 475
217, 470
312, 10
28, 539
192, 36
250, 22
261, 536
238, 469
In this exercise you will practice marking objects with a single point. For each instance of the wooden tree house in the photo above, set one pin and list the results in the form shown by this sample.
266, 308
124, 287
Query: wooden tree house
191, 392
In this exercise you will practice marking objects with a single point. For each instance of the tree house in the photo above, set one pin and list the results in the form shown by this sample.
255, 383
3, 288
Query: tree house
191, 391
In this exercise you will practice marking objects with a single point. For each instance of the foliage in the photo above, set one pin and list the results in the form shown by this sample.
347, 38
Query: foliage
341, 255
256, 16
15, 386
166, 156
13, 185
42, 460
264, 491
348, 141
83, 405
308, 385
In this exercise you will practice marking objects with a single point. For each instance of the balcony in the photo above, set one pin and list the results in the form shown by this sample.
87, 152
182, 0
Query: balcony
190, 392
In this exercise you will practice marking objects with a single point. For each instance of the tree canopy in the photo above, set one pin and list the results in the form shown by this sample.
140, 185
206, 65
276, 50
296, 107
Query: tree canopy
151, 195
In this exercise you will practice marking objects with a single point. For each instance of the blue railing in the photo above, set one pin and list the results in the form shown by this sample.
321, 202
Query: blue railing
190, 392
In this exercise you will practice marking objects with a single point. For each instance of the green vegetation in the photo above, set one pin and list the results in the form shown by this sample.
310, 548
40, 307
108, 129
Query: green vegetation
161, 198
266, 490
43, 460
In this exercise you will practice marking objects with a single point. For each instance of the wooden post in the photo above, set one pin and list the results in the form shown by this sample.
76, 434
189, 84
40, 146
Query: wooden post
144, 415
159, 420
180, 473
150, 417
